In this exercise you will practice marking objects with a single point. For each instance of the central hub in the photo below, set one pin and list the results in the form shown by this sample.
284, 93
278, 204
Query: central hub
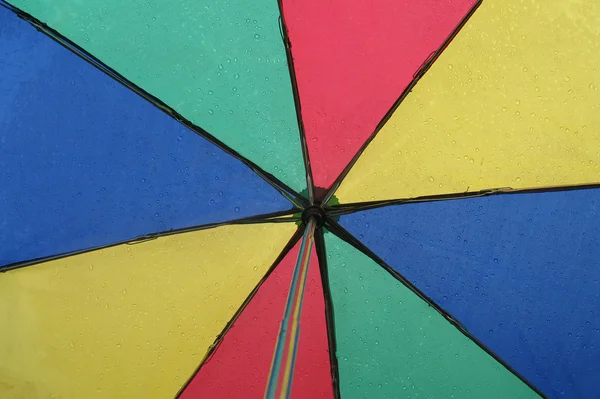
314, 211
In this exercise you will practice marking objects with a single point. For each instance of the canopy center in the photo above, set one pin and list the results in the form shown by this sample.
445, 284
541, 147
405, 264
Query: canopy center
314, 211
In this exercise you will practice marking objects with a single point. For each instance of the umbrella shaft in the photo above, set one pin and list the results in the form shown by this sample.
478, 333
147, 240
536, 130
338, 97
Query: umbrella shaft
280, 375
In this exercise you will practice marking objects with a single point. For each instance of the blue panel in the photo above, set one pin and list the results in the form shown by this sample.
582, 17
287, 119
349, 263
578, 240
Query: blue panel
521, 272
86, 162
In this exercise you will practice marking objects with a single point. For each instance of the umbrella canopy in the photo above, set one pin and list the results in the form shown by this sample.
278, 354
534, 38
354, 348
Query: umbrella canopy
306, 199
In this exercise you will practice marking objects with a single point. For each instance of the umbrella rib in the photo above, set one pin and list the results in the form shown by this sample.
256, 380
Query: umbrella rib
345, 209
291, 195
298, 106
416, 77
329, 315
344, 235
215, 345
288, 216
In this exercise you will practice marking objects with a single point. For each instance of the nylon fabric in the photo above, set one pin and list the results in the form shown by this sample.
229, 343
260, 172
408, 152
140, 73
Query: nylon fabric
248, 346
390, 343
130, 321
519, 271
85, 162
222, 65
514, 101
353, 60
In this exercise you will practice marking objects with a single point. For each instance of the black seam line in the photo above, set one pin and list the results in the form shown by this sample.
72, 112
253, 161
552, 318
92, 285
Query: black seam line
298, 106
338, 210
416, 77
329, 312
291, 195
288, 216
217, 342
344, 235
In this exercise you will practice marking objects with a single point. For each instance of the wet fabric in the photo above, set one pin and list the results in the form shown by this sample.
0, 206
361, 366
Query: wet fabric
519, 271
85, 162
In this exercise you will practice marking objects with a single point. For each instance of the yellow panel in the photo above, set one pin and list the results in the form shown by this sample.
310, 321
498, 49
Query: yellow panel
514, 101
131, 321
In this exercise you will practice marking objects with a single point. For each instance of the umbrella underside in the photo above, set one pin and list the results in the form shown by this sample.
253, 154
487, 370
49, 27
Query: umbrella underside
158, 166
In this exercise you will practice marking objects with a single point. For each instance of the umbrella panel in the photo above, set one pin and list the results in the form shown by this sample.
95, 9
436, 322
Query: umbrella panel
352, 61
514, 101
130, 320
85, 162
390, 342
240, 365
519, 271
221, 65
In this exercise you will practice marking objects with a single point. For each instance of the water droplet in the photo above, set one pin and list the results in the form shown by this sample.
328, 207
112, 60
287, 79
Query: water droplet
431, 178
236, 76
236, 209
257, 36
143, 180
450, 66
221, 66
567, 78
210, 111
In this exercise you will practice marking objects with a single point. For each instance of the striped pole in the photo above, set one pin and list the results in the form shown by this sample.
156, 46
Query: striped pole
281, 373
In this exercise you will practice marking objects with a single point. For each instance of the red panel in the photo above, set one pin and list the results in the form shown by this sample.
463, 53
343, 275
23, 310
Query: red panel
353, 59
240, 366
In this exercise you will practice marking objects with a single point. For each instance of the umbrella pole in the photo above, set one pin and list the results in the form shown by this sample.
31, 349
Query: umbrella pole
281, 373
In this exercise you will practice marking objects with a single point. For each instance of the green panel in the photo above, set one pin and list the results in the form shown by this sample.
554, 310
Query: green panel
391, 344
221, 64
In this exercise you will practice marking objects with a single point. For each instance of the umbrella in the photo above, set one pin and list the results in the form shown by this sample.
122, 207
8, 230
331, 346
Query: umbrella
306, 199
